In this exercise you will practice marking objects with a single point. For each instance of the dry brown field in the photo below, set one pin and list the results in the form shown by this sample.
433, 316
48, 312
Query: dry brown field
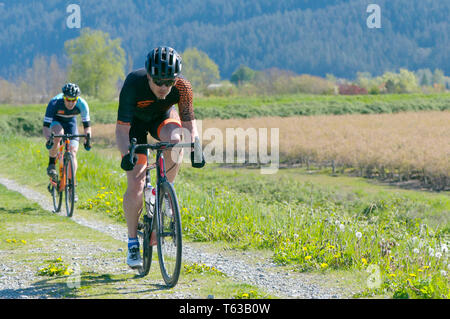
412, 145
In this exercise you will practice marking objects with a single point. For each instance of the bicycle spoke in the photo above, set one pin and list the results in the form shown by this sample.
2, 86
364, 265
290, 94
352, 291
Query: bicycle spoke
147, 249
70, 186
169, 235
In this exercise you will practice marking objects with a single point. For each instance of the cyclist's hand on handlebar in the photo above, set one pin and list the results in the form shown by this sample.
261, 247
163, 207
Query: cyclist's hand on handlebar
87, 143
127, 163
197, 163
49, 144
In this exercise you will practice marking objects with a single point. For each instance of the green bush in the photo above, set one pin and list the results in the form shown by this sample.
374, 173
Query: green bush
21, 124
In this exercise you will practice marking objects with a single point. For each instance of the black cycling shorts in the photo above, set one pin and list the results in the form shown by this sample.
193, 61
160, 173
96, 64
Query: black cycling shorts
140, 128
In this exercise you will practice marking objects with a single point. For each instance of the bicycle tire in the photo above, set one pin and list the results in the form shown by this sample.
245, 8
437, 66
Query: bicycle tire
147, 248
69, 189
169, 234
56, 196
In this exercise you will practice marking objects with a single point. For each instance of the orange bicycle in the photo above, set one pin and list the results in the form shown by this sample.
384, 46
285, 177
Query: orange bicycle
64, 180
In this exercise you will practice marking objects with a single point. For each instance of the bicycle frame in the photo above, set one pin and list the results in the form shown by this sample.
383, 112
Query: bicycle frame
60, 160
159, 166
63, 149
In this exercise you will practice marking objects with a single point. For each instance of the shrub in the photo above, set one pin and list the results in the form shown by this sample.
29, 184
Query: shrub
351, 89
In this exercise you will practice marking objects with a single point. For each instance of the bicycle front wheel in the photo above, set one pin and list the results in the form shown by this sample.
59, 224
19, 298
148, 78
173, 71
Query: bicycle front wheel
168, 234
70, 185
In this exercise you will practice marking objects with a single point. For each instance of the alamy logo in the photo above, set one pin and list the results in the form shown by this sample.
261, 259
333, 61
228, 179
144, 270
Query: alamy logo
373, 20
237, 146
374, 279
74, 280
73, 21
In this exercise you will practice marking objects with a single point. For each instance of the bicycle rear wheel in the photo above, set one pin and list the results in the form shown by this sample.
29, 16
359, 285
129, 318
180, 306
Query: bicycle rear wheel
70, 185
168, 234
147, 249
56, 194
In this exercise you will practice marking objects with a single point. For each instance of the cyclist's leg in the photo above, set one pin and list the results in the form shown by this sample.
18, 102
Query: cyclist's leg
132, 199
71, 128
73, 151
57, 129
168, 130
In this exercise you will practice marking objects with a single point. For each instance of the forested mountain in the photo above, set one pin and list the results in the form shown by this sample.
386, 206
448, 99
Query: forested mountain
310, 36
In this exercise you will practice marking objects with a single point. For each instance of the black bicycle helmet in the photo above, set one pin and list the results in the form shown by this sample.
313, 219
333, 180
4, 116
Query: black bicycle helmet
71, 90
163, 63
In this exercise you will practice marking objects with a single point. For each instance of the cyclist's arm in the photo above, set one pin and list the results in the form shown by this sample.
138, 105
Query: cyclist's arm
84, 112
191, 126
48, 118
186, 108
46, 131
88, 131
85, 117
122, 137
127, 102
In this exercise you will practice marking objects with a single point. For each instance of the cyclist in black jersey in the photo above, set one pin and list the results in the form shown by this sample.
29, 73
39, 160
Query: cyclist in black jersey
146, 105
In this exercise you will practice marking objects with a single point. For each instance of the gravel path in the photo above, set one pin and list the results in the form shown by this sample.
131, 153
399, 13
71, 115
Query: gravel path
264, 274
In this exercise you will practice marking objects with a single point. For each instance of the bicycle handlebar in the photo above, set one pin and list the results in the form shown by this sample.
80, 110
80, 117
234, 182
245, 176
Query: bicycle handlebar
133, 148
50, 142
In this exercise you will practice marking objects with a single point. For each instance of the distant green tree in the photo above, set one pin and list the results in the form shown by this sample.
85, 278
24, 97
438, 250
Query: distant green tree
199, 69
424, 81
390, 86
243, 74
97, 63
438, 77
403, 82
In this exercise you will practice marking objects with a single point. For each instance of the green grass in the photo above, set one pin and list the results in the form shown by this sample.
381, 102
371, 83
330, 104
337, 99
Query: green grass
314, 224
27, 119
308, 104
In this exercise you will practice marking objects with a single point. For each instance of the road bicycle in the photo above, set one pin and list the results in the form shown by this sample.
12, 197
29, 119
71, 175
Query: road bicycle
64, 180
162, 214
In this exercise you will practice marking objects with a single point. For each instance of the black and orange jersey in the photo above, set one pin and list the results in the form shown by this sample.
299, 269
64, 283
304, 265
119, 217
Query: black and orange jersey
137, 100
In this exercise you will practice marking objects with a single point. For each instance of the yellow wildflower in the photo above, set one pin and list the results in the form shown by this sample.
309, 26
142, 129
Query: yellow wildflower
308, 257
364, 261
324, 265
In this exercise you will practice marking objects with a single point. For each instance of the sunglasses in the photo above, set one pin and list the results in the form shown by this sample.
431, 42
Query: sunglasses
169, 82
70, 99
